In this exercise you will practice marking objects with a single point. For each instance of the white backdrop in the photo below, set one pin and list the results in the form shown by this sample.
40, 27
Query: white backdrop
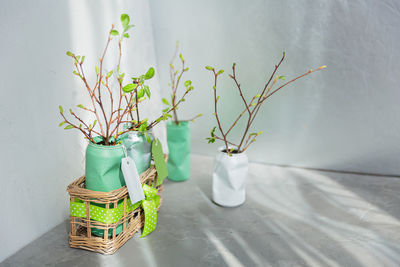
38, 159
344, 118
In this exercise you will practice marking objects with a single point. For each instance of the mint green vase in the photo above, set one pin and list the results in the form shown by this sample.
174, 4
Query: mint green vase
178, 139
103, 173
103, 167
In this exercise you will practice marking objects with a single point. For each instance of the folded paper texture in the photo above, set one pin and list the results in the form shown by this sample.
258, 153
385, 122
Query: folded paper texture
229, 178
178, 138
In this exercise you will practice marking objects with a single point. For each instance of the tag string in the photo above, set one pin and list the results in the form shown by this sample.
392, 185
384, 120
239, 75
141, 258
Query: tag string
125, 152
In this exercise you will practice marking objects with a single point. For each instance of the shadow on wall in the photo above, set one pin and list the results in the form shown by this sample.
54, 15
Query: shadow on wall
42, 159
91, 21
39, 159
327, 120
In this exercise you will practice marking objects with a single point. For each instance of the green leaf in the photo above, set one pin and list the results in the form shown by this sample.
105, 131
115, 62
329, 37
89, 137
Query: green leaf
217, 98
128, 27
186, 69
149, 74
143, 126
210, 140
129, 87
76, 73
69, 53
125, 20
281, 77
188, 83
68, 127
81, 106
97, 70
220, 72
147, 91
165, 109
165, 101
114, 32
257, 96
209, 68
213, 131
83, 59
61, 109
94, 123
126, 35
148, 138
61, 124
109, 74
141, 93
181, 57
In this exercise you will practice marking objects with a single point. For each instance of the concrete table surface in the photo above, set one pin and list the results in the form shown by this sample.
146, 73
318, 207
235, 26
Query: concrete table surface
292, 217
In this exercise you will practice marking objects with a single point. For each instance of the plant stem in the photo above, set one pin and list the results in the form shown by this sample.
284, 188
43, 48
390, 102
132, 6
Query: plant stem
157, 121
252, 112
76, 127
216, 112
137, 107
91, 94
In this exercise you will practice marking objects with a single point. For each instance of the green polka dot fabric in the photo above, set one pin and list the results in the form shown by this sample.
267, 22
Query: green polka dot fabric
78, 209
150, 216
149, 205
113, 215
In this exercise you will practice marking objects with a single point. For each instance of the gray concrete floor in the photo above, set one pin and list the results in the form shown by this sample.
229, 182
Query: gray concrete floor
292, 217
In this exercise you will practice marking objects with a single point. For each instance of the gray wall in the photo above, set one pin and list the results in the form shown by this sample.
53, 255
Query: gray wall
38, 159
344, 118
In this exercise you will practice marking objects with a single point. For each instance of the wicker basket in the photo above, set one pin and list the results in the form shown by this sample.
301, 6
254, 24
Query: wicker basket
129, 221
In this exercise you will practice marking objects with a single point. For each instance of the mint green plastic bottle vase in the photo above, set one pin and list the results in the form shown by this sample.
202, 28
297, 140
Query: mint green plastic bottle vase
178, 139
103, 167
103, 173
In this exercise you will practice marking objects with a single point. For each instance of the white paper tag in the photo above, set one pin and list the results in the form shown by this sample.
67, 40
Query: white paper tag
132, 179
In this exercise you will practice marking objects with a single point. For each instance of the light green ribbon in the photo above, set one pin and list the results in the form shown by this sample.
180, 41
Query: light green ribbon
113, 215
149, 205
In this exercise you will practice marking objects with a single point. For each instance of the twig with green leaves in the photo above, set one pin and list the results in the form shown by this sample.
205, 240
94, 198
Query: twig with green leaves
251, 107
175, 76
108, 122
142, 90
138, 91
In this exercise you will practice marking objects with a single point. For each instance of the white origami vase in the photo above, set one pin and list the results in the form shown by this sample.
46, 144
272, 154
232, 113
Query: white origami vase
229, 178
